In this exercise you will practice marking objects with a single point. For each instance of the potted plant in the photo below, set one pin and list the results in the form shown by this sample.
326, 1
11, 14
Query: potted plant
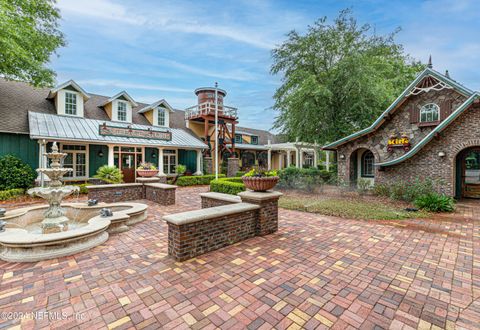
180, 170
147, 170
260, 180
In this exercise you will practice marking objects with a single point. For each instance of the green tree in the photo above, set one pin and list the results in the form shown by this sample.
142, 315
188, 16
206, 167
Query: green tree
337, 78
29, 35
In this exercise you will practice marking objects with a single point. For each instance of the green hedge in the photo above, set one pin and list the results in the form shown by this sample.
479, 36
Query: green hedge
83, 187
10, 193
230, 186
196, 180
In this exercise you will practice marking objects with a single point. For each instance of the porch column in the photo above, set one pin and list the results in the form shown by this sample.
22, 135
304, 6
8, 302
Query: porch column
300, 156
199, 163
315, 155
160, 162
327, 160
289, 158
110, 156
269, 158
280, 160
297, 157
41, 164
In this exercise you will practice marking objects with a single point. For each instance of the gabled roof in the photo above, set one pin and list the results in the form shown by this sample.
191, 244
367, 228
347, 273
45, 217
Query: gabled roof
66, 84
380, 120
156, 104
434, 132
125, 95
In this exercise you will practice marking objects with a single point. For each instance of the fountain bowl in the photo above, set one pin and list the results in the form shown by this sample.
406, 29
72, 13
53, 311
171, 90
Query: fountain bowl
24, 238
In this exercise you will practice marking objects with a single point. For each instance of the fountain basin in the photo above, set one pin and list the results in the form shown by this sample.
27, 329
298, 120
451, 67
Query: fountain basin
23, 240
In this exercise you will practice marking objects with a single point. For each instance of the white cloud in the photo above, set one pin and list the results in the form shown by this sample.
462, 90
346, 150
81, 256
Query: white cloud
127, 85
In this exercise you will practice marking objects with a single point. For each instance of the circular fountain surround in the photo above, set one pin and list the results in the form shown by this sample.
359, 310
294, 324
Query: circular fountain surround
56, 230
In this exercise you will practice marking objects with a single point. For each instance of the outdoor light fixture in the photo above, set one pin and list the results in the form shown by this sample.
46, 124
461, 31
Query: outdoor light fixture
342, 156
154, 155
100, 153
441, 154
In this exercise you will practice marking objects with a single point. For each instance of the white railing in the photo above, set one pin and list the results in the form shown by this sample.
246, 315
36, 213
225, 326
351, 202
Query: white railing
208, 108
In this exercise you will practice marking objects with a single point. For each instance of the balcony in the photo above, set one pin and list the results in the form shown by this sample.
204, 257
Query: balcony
208, 108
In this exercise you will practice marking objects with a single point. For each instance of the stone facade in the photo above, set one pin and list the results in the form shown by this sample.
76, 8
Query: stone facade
460, 134
233, 166
207, 165
162, 194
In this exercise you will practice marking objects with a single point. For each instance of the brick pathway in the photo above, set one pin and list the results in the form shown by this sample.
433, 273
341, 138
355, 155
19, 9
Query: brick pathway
316, 272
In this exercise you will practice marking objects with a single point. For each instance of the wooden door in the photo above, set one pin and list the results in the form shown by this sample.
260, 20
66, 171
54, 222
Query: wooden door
128, 167
471, 173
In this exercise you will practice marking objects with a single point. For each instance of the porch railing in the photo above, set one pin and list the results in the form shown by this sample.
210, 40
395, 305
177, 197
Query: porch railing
208, 108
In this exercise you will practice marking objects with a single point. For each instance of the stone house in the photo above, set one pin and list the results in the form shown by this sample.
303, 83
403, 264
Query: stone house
432, 130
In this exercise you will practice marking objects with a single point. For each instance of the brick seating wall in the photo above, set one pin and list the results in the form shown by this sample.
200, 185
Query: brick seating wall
112, 193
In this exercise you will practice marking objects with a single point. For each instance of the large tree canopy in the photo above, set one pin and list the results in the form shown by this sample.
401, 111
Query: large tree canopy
337, 78
29, 35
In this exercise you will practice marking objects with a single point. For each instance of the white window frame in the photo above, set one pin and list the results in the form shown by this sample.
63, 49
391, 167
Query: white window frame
161, 111
124, 104
168, 163
73, 103
74, 160
431, 110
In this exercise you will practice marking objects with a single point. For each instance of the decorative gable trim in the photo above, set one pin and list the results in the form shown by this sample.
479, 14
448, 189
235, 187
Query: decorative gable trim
152, 106
405, 94
53, 92
117, 96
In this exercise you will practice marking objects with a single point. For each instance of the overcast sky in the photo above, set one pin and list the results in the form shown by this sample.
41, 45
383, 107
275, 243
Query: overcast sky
166, 49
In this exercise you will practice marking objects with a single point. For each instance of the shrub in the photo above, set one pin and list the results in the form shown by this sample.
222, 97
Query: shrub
240, 173
11, 193
305, 179
407, 191
363, 185
381, 190
434, 202
109, 174
83, 187
14, 173
230, 186
195, 180
181, 169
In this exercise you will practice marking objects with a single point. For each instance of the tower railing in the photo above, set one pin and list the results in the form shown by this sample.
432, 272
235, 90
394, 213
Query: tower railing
208, 108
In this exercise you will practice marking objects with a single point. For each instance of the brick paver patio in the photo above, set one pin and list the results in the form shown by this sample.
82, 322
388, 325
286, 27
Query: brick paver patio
316, 272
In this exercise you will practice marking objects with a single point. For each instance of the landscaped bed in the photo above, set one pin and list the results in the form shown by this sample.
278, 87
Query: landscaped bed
348, 206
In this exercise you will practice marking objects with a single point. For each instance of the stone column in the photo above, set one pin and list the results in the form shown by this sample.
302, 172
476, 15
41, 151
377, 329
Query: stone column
40, 180
232, 166
289, 158
208, 165
300, 156
161, 175
199, 163
327, 160
315, 158
268, 213
297, 158
110, 160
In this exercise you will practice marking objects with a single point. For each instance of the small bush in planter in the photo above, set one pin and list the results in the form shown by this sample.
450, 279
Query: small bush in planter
181, 169
14, 173
109, 174
147, 167
435, 202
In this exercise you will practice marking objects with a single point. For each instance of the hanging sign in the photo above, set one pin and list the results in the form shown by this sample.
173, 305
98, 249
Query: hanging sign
396, 142
130, 132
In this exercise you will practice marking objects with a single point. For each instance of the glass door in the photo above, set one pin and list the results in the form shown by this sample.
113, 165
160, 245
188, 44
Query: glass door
471, 176
169, 161
127, 160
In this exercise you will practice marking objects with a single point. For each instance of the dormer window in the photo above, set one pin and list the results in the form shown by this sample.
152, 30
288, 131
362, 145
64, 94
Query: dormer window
122, 111
70, 103
254, 139
238, 139
161, 116
430, 113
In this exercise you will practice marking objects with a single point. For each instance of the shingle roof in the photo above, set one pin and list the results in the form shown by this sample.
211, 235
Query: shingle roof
18, 98
51, 126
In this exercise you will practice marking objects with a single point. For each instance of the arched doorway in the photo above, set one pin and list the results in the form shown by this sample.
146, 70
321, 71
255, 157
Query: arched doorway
362, 165
468, 173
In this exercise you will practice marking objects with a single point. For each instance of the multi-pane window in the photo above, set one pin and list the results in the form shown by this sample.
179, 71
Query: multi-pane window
169, 161
161, 116
368, 167
429, 113
308, 160
238, 139
122, 111
254, 139
76, 159
70, 103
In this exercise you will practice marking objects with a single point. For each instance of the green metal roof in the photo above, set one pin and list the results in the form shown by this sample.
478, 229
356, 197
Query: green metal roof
437, 129
376, 124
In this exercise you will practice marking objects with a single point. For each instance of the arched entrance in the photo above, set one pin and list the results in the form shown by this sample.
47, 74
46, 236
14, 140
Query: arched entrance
362, 165
468, 173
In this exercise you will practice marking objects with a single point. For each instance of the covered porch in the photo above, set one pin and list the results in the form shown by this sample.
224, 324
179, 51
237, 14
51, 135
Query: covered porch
298, 154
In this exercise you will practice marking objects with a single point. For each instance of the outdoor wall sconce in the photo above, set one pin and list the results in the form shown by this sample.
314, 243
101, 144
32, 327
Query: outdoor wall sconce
441, 154
100, 153
154, 155
342, 156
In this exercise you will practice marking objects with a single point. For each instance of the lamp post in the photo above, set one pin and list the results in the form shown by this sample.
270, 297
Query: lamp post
216, 130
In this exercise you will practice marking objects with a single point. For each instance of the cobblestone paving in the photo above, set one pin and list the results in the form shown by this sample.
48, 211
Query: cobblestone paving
315, 272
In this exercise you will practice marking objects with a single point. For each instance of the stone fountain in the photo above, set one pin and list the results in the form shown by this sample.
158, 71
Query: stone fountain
55, 219
60, 229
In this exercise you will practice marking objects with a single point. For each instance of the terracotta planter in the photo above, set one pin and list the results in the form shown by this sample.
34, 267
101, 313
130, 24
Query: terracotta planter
260, 183
147, 173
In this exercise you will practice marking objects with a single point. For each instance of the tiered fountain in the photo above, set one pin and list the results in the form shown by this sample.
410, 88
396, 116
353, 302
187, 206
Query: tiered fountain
45, 232
55, 219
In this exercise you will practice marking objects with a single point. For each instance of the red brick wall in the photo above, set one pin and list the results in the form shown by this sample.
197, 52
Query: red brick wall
116, 193
159, 195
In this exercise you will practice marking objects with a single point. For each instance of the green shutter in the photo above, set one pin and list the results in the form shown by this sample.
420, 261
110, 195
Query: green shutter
21, 146
151, 156
94, 160
189, 159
